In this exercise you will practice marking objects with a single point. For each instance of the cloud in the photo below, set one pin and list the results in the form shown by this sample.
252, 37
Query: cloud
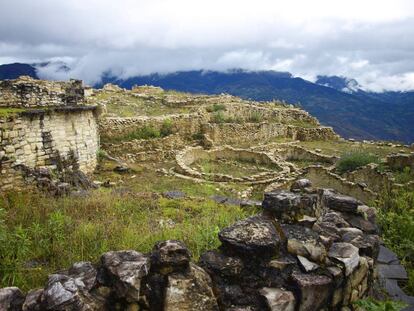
371, 41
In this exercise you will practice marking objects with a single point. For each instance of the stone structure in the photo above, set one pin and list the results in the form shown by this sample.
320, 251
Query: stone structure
46, 128
188, 156
308, 250
30, 93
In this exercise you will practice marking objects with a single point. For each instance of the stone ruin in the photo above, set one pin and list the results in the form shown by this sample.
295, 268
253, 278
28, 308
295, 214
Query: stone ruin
309, 249
45, 127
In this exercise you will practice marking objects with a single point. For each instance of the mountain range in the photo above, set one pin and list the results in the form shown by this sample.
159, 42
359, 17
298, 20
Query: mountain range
336, 101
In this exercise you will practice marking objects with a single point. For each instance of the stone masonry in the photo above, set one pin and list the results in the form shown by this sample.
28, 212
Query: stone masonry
48, 134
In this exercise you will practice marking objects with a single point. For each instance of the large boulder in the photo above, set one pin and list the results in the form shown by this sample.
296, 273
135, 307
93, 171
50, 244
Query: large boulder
216, 263
84, 271
314, 289
33, 300
68, 294
11, 299
169, 256
346, 254
339, 202
279, 299
288, 206
304, 242
256, 235
190, 291
124, 271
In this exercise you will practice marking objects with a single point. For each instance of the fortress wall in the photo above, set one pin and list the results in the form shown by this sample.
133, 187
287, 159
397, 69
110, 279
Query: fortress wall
26, 92
44, 139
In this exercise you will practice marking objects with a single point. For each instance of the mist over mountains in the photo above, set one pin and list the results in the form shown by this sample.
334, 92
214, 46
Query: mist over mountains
339, 102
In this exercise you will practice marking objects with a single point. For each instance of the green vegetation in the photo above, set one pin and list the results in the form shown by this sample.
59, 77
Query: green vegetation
219, 117
371, 304
404, 176
39, 235
352, 160
6, 112
216, 107
232, 167
396, 217
339, 147
145, 132
255, 117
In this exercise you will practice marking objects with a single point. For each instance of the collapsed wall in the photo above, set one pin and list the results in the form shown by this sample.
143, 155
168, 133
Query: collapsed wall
44, 126
308, 250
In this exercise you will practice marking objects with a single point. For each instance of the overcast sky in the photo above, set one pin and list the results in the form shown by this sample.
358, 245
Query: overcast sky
371, 41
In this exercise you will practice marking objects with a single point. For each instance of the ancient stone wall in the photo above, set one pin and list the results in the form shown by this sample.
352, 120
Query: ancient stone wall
30, 93
44, 139
190, 155
293, 152
308, 250
322, 177
184, 124
245, 112
400, 161
142, 150
51, 129
372, 177
229, 133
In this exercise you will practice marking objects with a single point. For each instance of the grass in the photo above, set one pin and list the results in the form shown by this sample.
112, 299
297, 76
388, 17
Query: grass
396, 217
126, 104
216, 107
219, 117
145, 132
339, 147
255, 117
352, 160
404, 176
6, 112
370, 304
235, 168
39, 235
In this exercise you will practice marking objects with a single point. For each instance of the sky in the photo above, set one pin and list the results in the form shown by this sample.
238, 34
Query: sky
370, 41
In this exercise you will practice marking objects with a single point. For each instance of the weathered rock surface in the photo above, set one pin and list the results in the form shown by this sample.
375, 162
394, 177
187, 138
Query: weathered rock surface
279, 299
190, 291
314, 290
255, 235
345, 253
341, 203
169, 256
11, 299
124, 271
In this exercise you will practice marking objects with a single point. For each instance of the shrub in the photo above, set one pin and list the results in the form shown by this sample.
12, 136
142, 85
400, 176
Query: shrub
255, 117
145, 132
370, 304
352, 160
216, 107
166, 128
404, 176
219, 117
396, 218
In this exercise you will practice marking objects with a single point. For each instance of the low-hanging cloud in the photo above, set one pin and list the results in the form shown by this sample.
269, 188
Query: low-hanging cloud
371, 41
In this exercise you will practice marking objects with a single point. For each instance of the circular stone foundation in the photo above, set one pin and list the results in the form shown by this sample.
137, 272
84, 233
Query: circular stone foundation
227, 164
